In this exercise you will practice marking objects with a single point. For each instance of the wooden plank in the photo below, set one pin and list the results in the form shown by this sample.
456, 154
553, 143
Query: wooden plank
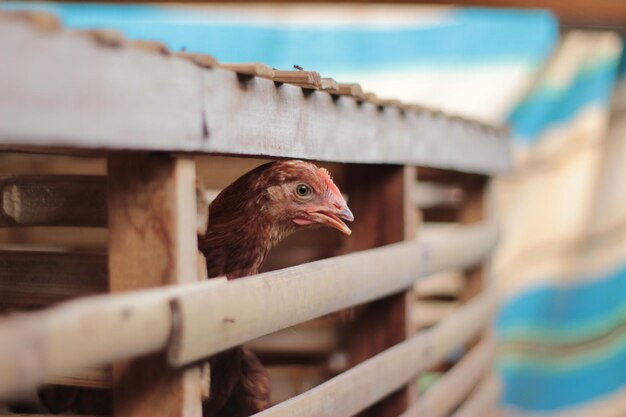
483, 400
60, 200
152, 242
211, 320
381, 203
352, 391
456, 384
40, 278
210, 110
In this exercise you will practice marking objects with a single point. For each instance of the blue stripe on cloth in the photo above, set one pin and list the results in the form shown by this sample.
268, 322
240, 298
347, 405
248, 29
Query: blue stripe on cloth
546, 107
461, 37
533, 389
571, 306
531, 383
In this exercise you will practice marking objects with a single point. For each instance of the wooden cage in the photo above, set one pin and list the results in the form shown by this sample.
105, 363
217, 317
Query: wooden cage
111, 152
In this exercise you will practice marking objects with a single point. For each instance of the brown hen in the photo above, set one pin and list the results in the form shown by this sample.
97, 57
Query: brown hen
245, 220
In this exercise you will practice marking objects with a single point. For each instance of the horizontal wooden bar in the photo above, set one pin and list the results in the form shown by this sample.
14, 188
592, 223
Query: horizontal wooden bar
68, 200
428, 313
41, 278
428, 195
483, 400
219, 314
354, 390
457, 383
53, 200
247, 308
444, 284
178, 106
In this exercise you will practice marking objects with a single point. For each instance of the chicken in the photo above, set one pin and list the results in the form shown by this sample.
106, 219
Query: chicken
246, 220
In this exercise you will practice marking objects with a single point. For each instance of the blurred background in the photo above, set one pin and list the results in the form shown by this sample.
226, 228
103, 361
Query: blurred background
552, 70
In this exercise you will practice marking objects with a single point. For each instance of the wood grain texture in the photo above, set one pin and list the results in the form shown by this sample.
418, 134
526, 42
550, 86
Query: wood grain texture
384, 215
30, 278
60, 200
152, 242
210, 110
352, 391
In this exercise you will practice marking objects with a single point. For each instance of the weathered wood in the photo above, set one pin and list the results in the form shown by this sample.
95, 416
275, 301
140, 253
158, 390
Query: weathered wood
60, 200
287, 380
108, 37
211, 321
99, 330
384, 213
456, 384
427, 313
429, 195
445, 284
209, 110
304, 79
349, 89
105, 328
354, 390
41, 278
483, 400
152, 242
202, 60
316, 337
253, 69
329, 84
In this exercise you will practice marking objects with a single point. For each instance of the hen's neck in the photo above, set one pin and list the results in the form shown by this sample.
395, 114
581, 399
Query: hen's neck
238, 241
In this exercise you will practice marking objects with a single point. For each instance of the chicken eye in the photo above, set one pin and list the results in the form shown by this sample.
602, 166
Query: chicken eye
303, 191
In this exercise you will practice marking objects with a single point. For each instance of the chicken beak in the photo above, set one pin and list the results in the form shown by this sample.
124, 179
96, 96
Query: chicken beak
334, 219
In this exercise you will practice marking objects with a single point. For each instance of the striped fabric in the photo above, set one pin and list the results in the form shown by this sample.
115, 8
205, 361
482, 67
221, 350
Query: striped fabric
562, 262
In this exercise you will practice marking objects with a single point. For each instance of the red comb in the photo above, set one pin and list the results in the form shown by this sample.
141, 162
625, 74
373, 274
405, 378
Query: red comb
325, 175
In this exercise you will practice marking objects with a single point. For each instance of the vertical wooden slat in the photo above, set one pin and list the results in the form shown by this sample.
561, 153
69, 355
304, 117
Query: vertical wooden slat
473, 210
381, 203
152, 242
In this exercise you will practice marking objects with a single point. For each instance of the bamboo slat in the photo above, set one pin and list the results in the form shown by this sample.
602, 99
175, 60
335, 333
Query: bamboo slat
483, 400
106, 328
354, 390
457, 383
61, 200
212, 321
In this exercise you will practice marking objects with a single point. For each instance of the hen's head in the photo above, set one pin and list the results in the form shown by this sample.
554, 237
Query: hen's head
303, 195
265, 205
279, 198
